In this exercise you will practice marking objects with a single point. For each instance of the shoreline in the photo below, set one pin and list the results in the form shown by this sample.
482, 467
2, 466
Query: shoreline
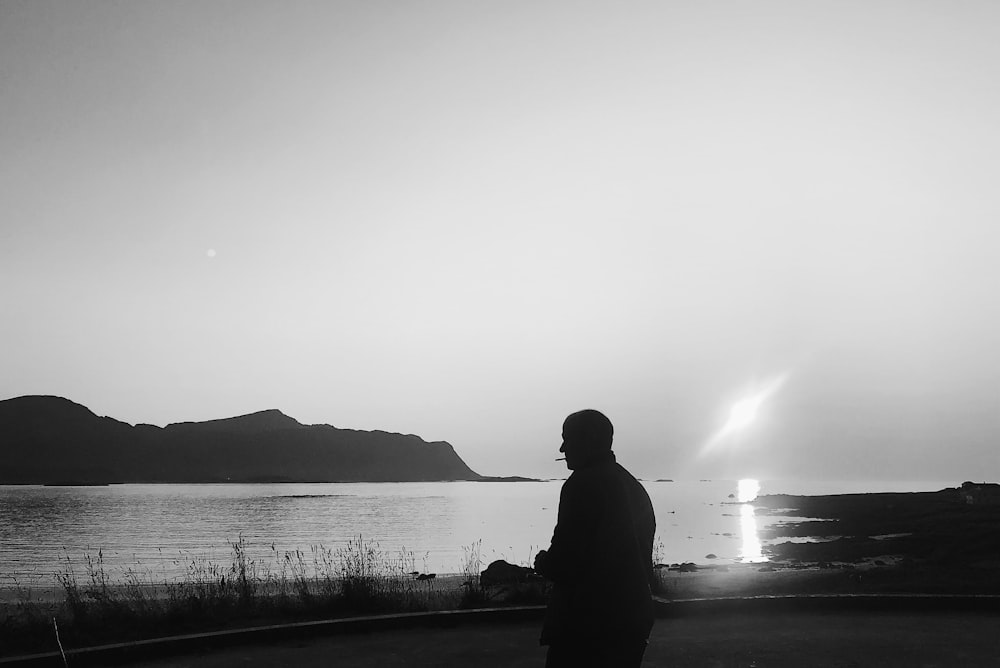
934, 534
926, 543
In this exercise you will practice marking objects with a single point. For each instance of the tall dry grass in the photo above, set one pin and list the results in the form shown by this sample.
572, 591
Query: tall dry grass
99, 605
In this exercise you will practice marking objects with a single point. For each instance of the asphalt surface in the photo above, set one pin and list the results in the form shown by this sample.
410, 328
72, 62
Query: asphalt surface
732, 639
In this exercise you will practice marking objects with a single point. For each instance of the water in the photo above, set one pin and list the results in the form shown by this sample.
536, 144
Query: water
159, 530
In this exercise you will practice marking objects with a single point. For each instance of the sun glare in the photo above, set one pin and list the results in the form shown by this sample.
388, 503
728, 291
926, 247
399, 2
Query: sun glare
745, 412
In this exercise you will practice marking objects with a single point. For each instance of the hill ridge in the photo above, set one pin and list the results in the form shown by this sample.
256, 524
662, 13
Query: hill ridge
46, 439
269, 419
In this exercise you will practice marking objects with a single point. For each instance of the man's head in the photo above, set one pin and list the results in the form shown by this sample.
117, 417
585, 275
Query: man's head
587, 435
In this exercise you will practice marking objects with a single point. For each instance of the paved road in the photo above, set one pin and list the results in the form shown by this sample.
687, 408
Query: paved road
729, 640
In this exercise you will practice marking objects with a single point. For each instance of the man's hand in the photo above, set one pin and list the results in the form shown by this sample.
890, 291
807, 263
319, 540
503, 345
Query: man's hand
540, 560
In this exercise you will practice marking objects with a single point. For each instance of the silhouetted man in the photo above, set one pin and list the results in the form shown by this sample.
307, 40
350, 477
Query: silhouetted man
600, 562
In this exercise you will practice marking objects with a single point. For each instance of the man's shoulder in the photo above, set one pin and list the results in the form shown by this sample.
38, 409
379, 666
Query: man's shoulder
632, 482
625, 473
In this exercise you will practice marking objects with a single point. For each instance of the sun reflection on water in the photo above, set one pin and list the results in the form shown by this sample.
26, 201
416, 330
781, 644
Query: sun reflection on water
751, 550
747, 490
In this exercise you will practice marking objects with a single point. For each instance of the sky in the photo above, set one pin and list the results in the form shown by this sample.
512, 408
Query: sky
466, 220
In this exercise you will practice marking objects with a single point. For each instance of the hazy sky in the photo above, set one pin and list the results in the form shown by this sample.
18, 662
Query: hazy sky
465, 220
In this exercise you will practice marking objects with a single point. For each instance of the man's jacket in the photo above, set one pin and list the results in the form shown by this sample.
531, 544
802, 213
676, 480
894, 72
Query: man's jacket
600, 561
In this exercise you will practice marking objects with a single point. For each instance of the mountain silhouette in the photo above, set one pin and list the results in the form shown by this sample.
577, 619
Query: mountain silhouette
270, 420
52, 440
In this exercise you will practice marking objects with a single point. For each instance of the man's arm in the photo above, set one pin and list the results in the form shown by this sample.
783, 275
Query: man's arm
568, 558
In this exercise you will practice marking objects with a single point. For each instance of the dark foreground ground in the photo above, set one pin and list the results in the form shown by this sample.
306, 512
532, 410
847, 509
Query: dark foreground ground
729, 640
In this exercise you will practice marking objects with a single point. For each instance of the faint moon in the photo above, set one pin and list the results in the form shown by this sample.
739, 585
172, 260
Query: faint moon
210, 252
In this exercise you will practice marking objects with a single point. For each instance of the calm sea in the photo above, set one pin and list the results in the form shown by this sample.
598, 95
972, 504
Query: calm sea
159, 530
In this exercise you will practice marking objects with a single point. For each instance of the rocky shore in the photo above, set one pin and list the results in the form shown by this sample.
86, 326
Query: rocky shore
944, 542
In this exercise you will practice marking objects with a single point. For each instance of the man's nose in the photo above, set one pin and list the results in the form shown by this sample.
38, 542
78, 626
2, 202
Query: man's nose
562, 448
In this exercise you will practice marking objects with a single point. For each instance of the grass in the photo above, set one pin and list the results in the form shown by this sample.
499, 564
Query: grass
357, 579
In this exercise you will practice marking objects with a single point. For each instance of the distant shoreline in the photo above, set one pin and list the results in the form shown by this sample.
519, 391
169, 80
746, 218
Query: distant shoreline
87, 483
